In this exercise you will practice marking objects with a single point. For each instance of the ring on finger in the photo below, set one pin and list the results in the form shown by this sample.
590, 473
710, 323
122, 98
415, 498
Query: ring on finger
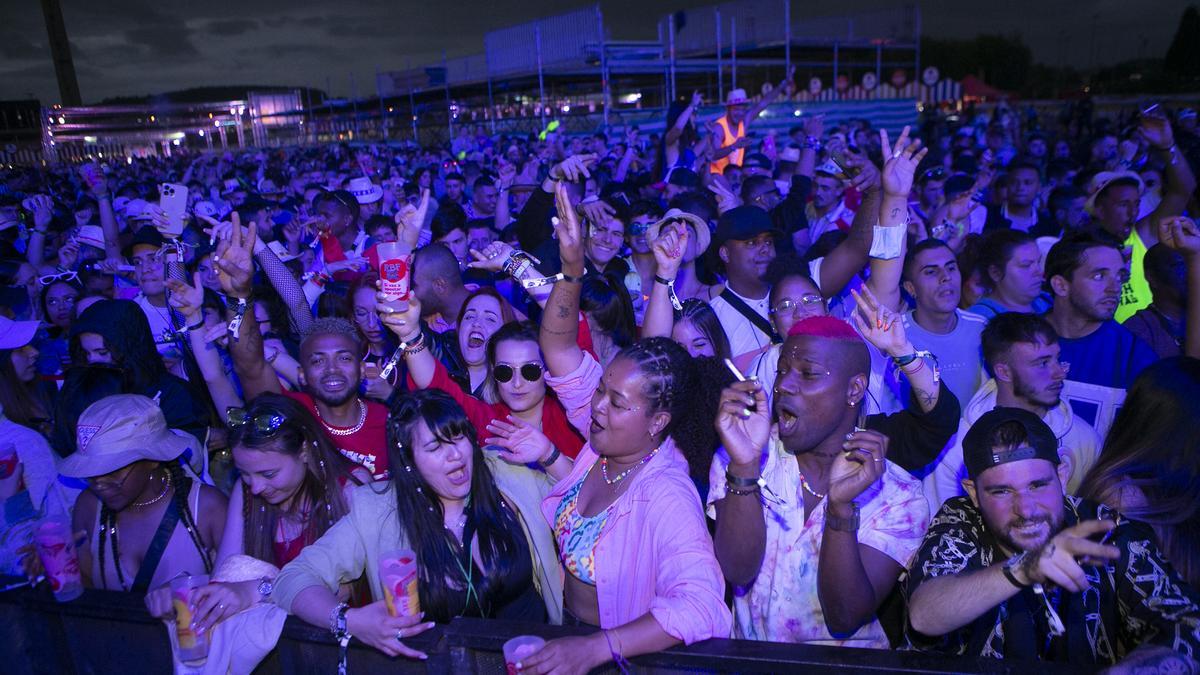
399, 635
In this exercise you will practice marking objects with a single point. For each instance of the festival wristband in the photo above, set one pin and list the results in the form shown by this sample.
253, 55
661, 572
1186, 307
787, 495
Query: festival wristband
670, 284
235, 323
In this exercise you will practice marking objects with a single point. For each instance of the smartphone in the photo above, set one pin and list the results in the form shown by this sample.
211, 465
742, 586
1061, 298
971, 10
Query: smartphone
839, 158
172, 199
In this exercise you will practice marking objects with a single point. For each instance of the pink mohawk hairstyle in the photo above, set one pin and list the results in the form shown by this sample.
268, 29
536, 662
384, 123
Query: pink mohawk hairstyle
825, 327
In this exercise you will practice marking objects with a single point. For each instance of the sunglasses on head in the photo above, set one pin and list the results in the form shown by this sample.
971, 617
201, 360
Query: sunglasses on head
61, 276
530, 372
266, 424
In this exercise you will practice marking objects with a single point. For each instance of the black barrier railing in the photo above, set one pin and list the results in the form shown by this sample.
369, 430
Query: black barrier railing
107, 632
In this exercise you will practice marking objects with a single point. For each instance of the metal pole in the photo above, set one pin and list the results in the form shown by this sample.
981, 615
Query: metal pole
354, 100
835, 70
787, 36
491, 102
537, 39
878, 64
412, 109
606, 94
671, 57
733, 48
720, 68
446, 82
307, 115
916, 78
383, 120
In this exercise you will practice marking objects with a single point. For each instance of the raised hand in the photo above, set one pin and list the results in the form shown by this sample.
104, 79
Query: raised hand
697, 99
235, 259
879, 325
187, 299
569, 233
521, 441
506, 175
814, 125
42, 208
492, 257
866, 174
1181, 234
668, 250
726, 199
68, 255
573, 168
401, 317
410, 220
900, 163
744, 424
859, 467
1156, 129
598, 211
1057, 561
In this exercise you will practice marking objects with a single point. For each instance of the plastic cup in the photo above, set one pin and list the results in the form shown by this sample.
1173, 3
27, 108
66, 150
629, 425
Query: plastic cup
193, 646
398, 576
8, 459
393, 270
55, 548
519, 648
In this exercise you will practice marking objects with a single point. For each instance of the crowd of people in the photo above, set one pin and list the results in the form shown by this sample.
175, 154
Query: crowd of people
832, 386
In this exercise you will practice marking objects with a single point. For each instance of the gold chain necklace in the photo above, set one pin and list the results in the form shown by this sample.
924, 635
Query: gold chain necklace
150, 502
362, 418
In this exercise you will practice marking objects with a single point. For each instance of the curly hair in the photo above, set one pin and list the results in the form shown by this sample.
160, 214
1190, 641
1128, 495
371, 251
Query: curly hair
686, 388
333, 326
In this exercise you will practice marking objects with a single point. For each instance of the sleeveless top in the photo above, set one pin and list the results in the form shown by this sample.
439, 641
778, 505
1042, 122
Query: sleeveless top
735, 157
181, 552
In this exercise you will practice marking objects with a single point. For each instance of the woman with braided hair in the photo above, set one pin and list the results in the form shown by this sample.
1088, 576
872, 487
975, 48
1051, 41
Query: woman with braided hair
146, 518
632, 540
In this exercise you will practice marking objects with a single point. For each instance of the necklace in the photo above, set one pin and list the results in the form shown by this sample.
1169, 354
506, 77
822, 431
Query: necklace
621, 476
150, 502
362, 417
808, 488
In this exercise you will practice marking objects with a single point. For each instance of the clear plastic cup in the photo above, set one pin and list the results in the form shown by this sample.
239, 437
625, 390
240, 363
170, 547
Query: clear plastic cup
398, 576
193, 646
519, 648
393, 269
56, 549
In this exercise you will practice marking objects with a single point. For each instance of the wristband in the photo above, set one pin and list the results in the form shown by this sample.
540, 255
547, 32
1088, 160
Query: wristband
887, 243
236, 322
337, 621
1007, 569
670, 284
743, 483
545, 464
842, 524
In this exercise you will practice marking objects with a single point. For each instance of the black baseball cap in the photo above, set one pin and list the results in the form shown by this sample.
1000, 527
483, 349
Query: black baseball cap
683, 177
743, 223
956, 185
147, 235
980, 454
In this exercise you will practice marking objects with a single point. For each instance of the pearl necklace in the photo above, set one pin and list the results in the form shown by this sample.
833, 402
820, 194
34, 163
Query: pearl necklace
621, 476
150, 502
362, 418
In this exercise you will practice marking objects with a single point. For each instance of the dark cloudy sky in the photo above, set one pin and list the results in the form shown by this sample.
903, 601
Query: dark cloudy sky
133, 47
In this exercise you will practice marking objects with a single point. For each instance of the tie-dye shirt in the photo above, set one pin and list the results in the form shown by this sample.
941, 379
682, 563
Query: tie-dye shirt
781, 604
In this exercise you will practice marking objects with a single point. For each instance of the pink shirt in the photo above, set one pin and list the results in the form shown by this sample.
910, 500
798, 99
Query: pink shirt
654, 553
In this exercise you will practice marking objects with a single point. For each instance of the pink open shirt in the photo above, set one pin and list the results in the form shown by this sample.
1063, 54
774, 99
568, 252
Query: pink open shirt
654, 554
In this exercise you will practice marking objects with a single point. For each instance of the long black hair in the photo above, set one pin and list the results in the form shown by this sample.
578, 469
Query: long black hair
440, 556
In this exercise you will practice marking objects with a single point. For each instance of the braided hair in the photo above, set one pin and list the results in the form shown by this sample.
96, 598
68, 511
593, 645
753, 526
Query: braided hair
686, 388
182, 486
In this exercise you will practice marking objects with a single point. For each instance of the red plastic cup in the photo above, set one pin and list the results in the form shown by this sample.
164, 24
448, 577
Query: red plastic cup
55, 548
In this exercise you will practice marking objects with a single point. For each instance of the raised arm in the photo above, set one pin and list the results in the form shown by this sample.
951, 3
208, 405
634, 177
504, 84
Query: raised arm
235, 267
500, 257
786, 86
1179, 182
883, 328
188, 300
287, 287
1181, 234
676, 130
504, 182
404, 319
850, 256
659, 319
744, 426
900, 163
560, 321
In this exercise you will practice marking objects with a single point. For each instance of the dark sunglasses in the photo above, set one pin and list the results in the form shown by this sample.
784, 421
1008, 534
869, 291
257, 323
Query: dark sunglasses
936, 173
266, 424
638, 229
530, 372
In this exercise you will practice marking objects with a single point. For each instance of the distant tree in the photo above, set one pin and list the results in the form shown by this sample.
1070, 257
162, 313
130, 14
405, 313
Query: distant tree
1183, 56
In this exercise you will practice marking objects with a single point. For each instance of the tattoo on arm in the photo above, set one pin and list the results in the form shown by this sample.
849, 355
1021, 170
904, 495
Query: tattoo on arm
563, 312
925, 398
895, 213
551, 331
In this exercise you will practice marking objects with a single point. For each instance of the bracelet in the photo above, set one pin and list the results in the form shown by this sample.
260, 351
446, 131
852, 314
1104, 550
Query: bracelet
563, 276
545, 463
744, 483
415, 347
812, 143
337, 621
236, 322
730, 489
902, 361
1009, 565
623, 664
842, 524
670, 284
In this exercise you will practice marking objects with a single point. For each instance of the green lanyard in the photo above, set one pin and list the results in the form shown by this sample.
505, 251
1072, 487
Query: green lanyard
469, 572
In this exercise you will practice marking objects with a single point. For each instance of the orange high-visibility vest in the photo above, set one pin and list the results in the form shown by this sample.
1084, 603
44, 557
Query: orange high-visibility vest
735, 157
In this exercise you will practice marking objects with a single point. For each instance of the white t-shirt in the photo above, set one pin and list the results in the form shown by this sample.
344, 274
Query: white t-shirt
744, 336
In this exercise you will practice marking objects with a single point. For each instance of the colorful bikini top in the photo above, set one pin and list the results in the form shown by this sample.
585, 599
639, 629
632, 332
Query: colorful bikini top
577, 536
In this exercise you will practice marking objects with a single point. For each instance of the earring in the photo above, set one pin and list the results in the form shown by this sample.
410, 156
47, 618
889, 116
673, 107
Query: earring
852, 403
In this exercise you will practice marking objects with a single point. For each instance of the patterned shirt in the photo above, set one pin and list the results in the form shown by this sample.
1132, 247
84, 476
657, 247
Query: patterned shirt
1131, 601
781, 604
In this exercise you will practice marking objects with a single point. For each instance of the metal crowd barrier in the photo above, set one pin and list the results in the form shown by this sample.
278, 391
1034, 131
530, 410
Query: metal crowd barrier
109, 632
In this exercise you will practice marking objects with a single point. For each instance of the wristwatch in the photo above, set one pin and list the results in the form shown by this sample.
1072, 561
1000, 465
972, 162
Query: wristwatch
265, 588
842, 524
1011, 564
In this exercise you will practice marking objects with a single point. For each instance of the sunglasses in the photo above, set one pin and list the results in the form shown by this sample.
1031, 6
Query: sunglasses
266, 424
638, 229
109, 485
61, 276
936, 173
808, 300
530, 372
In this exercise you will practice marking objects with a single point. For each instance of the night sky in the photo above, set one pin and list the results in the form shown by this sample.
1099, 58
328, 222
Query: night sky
136, 47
